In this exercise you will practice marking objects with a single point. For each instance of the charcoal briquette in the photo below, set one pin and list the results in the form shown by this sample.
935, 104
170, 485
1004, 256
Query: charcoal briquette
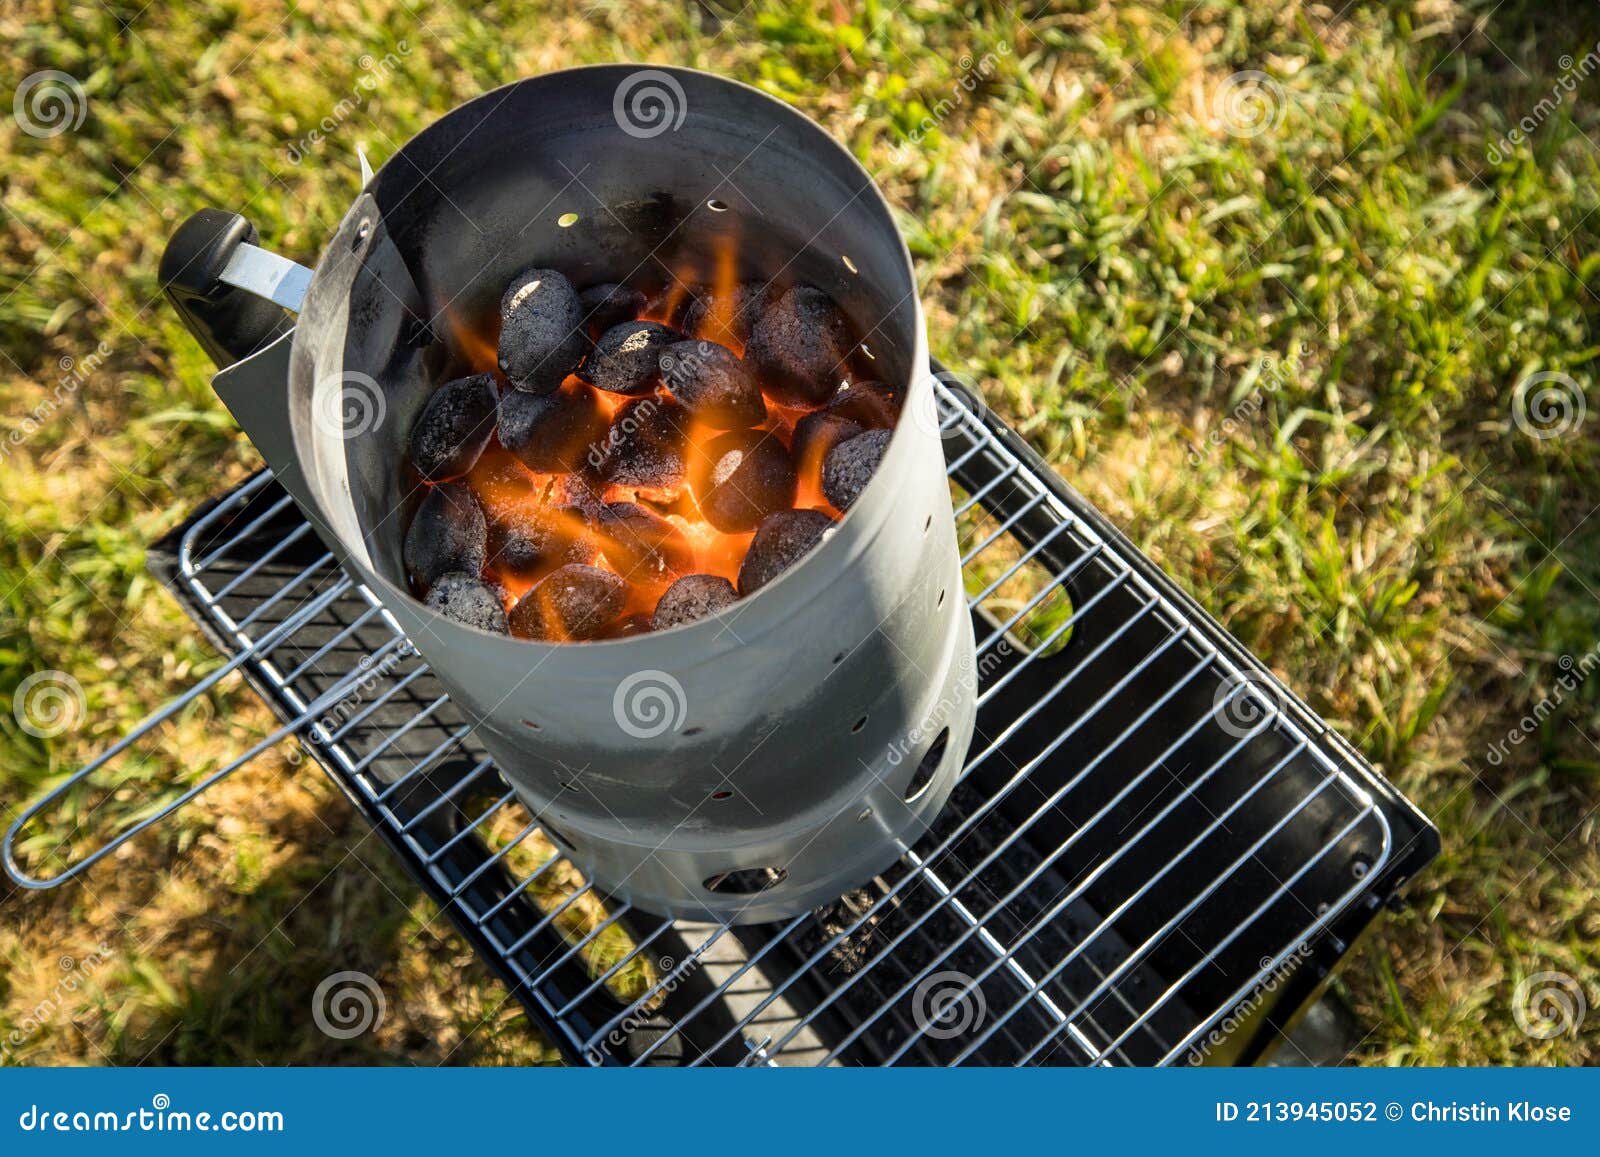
641, 544
816, 434
609, 305
530, 539
468, 599
741, 477
628, 626
552, 433
454, 426
728, 318
542, 338
647, 447
571, 603
850, 465
694, 596
873, 405
780, 541
800, 347
713, 384
627, 358
447, 533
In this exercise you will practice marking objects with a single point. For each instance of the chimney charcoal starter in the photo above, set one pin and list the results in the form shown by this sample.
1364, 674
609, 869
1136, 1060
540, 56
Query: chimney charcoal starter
719, 671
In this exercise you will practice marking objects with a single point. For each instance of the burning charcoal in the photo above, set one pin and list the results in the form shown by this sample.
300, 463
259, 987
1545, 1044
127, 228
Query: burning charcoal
641, 544
583, 491
468, 599
799, 348
647, 448
692, 597
447, 533
713, 385
743, 476
609, 305
626, 359
851, 465
542, 339
728, 322
815, 435
780, 541
627, 627
875, 405
453, 428
531, 538
552, 433
573, 602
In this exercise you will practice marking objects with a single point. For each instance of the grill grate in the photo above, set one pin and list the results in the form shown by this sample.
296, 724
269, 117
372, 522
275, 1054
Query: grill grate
1150, 838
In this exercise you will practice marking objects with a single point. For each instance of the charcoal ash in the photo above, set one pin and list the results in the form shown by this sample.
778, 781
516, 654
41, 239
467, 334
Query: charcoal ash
728, 318
552, 433
447, 533
780, 541
468, 599
454, 426
741, 477
713, 384
608, 305
694, 596
850, 465
542, 338
571, 603
627, 358
641, 544
815, 435
800, 347
529, 539
647, 448
873, 405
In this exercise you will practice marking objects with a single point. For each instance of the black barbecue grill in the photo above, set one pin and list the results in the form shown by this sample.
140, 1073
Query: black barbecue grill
1155, 853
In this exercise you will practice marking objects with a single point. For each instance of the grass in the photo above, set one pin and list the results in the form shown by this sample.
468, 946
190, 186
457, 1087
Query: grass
1285, 360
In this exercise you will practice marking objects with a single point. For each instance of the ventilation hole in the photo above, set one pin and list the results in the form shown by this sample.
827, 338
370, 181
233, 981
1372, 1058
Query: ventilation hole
567, 220
1360, 867
866, 814
860, 723
839, 658
850, 265
717, 206
745, 881
531, 725
722, 795
940, 603
931, 759
693, 730
363, 231
927, 525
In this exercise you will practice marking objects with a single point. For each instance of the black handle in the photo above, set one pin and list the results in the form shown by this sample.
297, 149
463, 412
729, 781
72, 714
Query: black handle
229, 323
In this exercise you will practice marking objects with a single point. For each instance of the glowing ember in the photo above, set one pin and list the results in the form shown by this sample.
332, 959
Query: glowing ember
607, 513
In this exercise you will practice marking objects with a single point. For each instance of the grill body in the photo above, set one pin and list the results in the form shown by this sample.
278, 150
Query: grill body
745, 767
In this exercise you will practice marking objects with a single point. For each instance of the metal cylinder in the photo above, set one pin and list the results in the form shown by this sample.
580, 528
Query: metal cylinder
744, 767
